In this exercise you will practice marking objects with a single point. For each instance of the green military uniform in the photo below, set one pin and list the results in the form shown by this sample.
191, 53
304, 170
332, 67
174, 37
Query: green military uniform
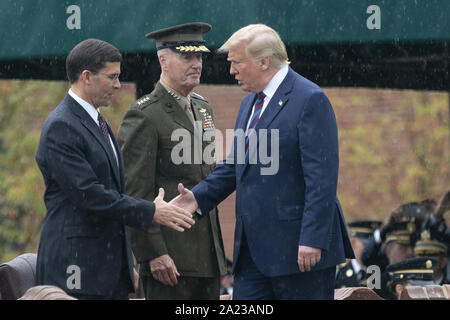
145, 138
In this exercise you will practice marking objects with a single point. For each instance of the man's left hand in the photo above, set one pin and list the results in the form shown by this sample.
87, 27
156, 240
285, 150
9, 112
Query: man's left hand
308, 257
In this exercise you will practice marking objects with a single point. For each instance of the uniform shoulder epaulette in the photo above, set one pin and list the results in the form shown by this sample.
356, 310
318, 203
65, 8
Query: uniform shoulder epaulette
196, 95
344, 264
144, 101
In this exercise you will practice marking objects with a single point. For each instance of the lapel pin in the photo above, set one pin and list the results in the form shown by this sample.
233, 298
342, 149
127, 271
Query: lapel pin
280, 103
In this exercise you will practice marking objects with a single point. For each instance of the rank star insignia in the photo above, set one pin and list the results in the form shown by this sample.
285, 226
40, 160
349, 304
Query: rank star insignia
425, 235
143, 100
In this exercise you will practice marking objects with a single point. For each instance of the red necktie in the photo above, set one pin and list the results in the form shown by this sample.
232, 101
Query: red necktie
256, 113
104, 128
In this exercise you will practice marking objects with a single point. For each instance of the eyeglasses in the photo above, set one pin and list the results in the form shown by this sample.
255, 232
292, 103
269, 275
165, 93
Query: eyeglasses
112, 77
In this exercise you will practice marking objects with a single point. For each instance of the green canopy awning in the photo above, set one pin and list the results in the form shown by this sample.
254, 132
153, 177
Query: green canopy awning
345, 42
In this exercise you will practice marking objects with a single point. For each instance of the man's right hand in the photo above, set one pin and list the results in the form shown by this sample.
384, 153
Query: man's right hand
185, 199
164, 270
171, 215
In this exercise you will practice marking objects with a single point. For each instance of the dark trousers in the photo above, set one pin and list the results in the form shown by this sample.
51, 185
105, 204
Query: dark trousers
251, 284
120, 292
187, 288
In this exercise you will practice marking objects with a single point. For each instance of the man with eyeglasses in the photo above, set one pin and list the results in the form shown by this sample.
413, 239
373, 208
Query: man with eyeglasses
84, 247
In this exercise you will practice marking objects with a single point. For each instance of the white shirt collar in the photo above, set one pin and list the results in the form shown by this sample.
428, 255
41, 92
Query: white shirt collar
356, 265
275, 82
271, 88
86, 106
93, 112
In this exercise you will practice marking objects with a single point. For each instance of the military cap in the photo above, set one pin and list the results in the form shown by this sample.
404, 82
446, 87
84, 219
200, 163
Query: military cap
417, 271
184, 38
402, 232
363, 229
432, 241
414, 209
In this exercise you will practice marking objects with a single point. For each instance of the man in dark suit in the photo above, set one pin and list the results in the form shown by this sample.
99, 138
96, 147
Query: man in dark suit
173, 265
290, 231
84, 247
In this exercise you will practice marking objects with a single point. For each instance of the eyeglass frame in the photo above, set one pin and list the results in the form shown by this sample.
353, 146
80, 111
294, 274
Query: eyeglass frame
113, 77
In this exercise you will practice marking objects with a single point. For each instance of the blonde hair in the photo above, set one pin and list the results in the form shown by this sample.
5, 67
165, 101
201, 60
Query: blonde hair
261, 41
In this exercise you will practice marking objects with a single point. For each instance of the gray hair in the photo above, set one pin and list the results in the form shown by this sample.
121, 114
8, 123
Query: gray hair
163, 52
261, 41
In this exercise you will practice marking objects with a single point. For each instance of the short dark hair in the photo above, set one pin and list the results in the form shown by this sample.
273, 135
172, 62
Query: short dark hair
92, 55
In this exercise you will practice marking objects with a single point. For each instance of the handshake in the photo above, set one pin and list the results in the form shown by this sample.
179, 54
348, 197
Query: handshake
176, 214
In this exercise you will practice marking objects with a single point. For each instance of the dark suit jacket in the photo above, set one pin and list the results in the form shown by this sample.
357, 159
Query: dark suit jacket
145, 137
87, 210
297, 205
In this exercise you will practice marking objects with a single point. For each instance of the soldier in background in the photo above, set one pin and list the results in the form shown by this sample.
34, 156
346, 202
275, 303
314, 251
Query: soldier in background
434, 241
395, 240
353, 272
417, 271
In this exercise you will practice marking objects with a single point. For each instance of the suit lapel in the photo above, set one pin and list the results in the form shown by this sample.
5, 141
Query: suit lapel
197, 114
276, 104
94, 129
242, 125
121, 164
115, 163
171, 105
246, 112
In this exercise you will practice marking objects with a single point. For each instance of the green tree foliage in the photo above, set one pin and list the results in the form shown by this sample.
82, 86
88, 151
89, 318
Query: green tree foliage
394, 149
23, 108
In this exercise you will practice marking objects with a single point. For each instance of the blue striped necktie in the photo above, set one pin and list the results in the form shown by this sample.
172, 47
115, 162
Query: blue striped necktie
256, 113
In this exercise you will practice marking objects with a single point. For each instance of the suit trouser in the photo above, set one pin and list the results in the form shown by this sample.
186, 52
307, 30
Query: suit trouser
187, 288
251, 284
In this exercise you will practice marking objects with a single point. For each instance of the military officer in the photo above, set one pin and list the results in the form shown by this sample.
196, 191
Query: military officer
394, 240
353, 272
188, 265
434, 241
417, 271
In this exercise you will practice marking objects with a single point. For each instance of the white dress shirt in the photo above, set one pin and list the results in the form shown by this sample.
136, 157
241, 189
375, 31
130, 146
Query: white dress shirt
271, 88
